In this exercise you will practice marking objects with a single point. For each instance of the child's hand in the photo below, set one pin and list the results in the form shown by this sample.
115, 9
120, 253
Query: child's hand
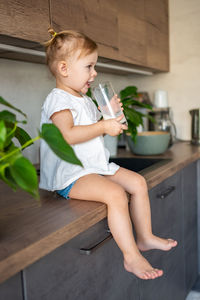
116, 103
113, 127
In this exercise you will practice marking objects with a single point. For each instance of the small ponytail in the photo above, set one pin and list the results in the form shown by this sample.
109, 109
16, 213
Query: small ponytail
52, 32
53, 35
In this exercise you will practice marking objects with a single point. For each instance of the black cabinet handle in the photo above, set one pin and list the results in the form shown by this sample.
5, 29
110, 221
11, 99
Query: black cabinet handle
165, 193
90, 250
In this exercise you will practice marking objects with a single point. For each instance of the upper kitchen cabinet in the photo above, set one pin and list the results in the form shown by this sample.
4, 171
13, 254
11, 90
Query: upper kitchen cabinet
130, 32
25, 19
97, 19
143, 33
157, 34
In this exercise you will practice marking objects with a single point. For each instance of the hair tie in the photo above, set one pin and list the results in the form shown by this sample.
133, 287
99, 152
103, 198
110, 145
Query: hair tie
55, 33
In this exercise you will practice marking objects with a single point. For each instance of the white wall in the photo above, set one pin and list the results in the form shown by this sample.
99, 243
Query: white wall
26, 85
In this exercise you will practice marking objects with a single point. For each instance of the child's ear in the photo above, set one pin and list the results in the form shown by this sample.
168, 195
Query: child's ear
62, 67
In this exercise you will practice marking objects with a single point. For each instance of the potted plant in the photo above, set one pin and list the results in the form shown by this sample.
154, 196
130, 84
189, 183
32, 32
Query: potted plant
16, 170
129, 96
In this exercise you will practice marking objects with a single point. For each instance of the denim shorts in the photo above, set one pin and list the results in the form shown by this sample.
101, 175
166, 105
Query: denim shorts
65, 192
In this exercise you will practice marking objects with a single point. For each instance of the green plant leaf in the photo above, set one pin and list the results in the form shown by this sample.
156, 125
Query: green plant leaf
6, 103
129, 101
89, 93
25, 176
6, 176
7, 116
133, 131
9, 148
22, 136
3, 132
133, 116
128, 91
53, 137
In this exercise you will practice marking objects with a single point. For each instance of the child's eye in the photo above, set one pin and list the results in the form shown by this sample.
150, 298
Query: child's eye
89, 66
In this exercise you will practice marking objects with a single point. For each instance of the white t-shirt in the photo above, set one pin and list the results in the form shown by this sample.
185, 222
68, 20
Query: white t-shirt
56, 174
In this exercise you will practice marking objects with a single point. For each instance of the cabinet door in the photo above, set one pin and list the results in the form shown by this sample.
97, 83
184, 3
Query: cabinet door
132, 31
25, 19
167, 212
143, 33
97, 19
157, 34
12, 288
189, 194
67, 274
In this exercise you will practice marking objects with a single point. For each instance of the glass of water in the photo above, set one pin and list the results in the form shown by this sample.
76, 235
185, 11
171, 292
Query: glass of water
107, 101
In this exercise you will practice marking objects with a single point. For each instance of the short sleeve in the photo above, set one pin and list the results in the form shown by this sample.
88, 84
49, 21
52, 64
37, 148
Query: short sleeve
56, 102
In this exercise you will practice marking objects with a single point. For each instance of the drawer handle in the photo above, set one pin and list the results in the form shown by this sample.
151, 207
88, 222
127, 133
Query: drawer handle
88, 251
165, 193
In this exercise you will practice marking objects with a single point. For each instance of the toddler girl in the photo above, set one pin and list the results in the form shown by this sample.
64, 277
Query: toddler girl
71, 57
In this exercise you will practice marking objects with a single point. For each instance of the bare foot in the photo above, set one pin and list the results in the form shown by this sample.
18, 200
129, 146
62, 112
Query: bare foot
154, 242
139, 266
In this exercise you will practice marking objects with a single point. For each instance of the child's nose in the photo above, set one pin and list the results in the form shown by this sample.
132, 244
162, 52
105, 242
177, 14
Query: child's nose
94, 73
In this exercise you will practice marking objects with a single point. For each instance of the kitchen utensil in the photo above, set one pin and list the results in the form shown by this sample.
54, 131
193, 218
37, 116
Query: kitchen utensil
163, 122
107, 101
195, 128
149, 142
161, 99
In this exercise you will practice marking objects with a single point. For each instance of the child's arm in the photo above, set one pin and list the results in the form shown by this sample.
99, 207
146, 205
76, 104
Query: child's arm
82, 133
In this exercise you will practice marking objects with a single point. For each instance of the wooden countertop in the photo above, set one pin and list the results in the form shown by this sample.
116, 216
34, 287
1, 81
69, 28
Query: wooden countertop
29, 230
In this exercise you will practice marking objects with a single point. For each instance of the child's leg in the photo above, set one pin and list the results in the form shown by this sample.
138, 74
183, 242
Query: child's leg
98, 188
135, 184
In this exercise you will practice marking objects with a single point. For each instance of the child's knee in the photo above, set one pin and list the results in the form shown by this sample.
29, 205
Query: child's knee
140, 182
115, 194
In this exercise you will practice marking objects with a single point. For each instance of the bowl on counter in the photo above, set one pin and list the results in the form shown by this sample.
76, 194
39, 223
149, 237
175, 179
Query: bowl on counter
149, 142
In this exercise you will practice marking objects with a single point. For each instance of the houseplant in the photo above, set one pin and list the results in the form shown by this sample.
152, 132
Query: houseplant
16, 170
129, 96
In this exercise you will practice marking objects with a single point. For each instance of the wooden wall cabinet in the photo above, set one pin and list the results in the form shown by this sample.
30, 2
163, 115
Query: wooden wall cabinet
25, 19
97, 19
132, 32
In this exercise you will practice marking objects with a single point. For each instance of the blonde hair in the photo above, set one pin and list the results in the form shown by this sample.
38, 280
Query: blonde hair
65, 43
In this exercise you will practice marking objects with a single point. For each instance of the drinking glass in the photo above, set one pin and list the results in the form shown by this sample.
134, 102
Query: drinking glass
107, 101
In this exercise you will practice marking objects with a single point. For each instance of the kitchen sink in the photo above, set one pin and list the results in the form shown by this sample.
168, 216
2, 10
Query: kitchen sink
138, 164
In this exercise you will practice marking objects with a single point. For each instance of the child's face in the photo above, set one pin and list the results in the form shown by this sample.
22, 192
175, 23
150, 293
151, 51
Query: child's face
80, 72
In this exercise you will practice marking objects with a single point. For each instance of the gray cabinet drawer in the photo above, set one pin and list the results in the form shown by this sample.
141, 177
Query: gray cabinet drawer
167, 212
67, 274
189, 194
167, 208
12, 288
